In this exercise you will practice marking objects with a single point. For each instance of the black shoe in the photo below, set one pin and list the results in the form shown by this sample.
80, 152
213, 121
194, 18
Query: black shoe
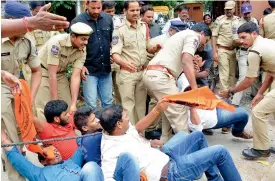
272, 150
151, 135
252, 153
207, 131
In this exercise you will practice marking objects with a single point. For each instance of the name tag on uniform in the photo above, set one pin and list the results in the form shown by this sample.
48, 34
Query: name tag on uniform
5, 54
64, 56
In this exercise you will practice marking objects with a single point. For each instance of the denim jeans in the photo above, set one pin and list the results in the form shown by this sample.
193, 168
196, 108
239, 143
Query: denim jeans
100, 86
127, 168
91, 171
238, 119
190, 156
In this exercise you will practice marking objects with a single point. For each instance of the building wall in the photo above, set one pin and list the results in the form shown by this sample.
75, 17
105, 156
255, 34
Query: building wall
258, 7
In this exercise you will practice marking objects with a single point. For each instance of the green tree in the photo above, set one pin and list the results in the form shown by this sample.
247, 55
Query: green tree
69, 5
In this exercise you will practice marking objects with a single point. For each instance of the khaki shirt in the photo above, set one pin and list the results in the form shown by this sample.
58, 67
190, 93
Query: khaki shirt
267, 26
237, 24
169, 56
60, 51
130, 43
41, 37
223, 30
261, 55
15, 55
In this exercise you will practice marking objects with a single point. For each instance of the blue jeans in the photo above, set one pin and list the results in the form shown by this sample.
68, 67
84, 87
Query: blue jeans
100, 86
91, 171
238, 119
190, 156
127, 168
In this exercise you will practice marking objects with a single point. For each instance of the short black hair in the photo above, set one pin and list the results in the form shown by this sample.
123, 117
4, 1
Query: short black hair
267, 11
182, 7
146, 8
204, 17
199, 27
126, 4
110, 116
248, 27
54, 108
34, 4
271, 3
81, 116
108, 5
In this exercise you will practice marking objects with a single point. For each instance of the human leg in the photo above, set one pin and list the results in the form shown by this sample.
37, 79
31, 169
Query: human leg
91, 171
140, 97
223, 69
90, 90
242, 63
127, 168
105, 90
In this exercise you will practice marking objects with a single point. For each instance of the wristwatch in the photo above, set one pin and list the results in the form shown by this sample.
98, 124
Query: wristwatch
230, 93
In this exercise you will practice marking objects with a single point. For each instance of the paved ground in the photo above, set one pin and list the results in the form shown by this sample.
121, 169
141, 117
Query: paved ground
249, 170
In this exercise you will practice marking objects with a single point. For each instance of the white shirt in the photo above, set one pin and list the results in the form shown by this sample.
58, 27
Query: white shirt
208, 118
151, 161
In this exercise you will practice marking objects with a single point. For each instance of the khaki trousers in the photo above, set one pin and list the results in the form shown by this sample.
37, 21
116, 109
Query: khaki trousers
133, 94
157, 123
43, 95
117, 96
227, 68
271, 176
9, 125
160, 84
260, 122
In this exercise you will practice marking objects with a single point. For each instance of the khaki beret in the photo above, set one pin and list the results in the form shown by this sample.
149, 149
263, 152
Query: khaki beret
230, 5
81, 29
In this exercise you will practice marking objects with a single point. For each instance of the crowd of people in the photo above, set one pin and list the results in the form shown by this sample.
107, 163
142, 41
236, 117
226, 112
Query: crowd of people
127, 67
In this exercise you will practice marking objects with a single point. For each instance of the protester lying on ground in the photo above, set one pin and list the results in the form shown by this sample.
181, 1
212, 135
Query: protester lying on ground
43, 20
55, 169
59, 125
86, 120
11, 81
188, 154
218, 118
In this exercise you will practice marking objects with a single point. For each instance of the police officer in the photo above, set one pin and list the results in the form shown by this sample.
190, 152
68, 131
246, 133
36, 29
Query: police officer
267, 25
223, 45
129, 45
153, 132
160, 78
15, 51
261, 54
242, 52
39, 37
60, 51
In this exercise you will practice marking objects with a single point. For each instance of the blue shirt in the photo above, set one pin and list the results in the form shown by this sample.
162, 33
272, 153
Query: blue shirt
91, 149
99, 43
69, 170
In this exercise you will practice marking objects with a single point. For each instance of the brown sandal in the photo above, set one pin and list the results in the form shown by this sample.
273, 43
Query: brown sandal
244, 135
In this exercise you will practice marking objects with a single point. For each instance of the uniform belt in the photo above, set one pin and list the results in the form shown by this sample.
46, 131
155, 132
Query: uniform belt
241, 48
159, 68
225, 47
42, 66
140, 68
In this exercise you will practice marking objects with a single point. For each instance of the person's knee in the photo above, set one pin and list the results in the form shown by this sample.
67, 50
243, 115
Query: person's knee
244, 114
128, 158
256, 113
221, 150
91, 167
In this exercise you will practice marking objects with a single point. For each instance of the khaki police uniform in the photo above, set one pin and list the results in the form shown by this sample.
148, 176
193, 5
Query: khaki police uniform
262, 55
161, 39
267, 26
130, 43
118, 21
57, 51
241, 56
39, 38
223, 31
13, 57
162, 81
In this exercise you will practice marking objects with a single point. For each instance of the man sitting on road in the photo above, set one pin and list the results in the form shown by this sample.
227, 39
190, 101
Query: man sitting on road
185, 156
218, 118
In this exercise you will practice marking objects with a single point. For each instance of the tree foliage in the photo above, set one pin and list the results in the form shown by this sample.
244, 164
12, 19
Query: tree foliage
65, 4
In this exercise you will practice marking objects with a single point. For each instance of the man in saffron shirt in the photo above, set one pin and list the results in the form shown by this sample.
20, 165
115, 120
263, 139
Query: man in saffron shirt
59, 125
